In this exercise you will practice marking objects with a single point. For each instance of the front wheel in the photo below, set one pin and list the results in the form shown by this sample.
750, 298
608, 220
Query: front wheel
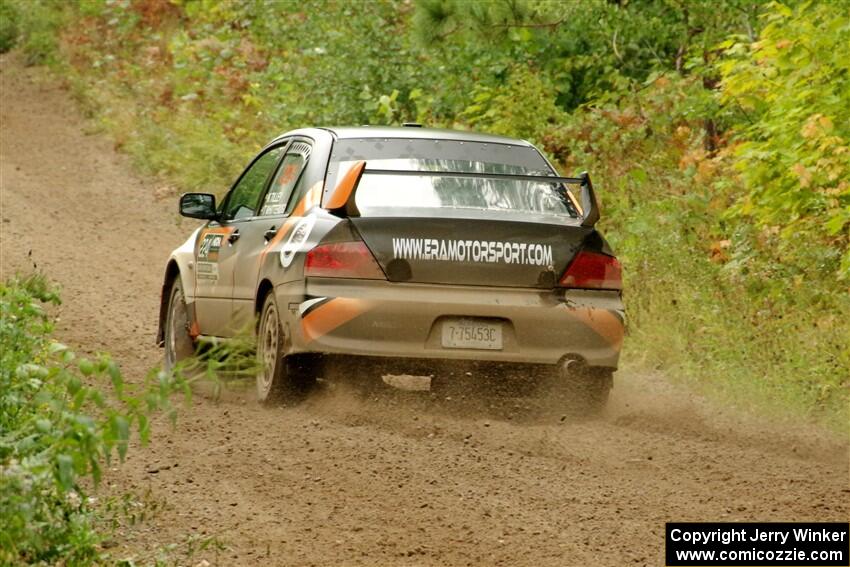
277, 379
179, 344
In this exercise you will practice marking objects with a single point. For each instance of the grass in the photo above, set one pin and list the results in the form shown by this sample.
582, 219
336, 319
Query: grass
699, 326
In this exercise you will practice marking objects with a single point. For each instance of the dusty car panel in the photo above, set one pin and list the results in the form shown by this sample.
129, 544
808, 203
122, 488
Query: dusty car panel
379, 318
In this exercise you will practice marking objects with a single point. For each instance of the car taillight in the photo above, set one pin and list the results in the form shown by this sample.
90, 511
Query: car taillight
342, 260
590, 270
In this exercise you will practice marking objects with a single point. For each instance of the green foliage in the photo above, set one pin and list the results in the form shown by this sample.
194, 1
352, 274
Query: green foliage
588, 50
8, 26
62, 417
792, 88
39, 23
523, 107
703, 298
44, 439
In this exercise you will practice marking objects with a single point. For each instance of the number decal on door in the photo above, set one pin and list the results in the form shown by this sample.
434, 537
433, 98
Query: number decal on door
208, 251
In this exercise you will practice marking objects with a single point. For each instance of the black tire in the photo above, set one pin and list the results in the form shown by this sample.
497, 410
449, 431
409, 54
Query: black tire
179, 344
279, 379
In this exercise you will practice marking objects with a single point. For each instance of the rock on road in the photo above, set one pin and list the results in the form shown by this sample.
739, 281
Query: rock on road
400, 478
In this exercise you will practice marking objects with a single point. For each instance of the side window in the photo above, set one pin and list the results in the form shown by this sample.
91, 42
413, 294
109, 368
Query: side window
286, 179
242, 200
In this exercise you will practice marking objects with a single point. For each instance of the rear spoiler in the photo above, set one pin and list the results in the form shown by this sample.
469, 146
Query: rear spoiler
340, 201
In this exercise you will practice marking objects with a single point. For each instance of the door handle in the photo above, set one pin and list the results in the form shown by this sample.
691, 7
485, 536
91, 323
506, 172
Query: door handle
269, 234
234, 236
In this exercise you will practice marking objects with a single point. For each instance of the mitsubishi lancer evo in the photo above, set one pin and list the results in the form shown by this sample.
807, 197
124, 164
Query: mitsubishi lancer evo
409, 247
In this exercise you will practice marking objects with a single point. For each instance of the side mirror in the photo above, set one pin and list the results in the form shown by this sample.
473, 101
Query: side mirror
589, 204
198, 206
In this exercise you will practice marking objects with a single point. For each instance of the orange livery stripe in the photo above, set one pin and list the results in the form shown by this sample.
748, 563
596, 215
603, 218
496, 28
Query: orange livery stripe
330, 315
603, 322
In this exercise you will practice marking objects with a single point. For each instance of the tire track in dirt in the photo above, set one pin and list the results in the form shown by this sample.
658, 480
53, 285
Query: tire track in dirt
396, 478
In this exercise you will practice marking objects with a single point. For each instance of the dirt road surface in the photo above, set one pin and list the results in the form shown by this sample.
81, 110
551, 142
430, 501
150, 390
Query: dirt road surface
397, 479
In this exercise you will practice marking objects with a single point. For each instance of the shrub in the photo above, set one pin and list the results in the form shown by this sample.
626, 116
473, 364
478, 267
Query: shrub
38, 24
8, 26
792, 91
62, 417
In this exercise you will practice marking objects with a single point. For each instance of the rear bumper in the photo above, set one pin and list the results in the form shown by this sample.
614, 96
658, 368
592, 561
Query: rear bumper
378, 318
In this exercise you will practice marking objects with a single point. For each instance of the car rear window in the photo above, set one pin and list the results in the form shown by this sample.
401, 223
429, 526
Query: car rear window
407, 195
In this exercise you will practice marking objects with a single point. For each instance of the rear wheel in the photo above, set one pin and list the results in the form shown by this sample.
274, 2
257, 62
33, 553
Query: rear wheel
179, 344
278, 380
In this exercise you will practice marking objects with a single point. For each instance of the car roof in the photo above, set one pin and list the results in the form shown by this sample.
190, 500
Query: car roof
408, 132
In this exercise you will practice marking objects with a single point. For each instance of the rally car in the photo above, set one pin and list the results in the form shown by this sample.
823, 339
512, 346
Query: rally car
408, 245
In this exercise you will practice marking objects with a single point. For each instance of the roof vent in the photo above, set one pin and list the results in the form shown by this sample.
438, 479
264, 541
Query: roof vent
411, 125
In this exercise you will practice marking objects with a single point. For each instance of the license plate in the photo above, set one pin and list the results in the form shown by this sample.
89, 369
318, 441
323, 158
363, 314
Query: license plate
471, 333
